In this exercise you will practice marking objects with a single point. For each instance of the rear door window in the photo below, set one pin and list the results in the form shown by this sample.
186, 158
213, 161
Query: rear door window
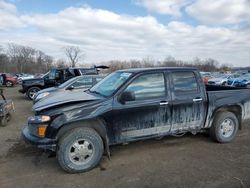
184, 82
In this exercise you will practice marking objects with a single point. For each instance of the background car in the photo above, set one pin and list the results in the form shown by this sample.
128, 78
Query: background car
240, 82
79, 82
55, 77
8, 80
221, 80
24, 77
206, 76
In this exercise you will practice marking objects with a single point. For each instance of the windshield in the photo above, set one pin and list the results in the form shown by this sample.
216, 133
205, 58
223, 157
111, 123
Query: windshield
110, 84
45, 75
65, 84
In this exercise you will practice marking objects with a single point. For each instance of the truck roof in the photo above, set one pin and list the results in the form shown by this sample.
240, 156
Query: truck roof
136, 70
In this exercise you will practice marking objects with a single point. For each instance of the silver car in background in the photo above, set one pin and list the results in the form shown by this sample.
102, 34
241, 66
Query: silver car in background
80, 82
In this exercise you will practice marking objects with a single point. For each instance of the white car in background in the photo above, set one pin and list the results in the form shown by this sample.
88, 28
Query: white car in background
24, 77
222, 80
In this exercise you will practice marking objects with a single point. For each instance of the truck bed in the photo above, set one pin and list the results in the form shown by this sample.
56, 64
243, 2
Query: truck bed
220, 88
226, 96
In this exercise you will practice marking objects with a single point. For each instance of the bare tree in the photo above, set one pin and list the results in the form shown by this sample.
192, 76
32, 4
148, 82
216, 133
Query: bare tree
3, 60
21, 55
43, 61
73, 53
60, 63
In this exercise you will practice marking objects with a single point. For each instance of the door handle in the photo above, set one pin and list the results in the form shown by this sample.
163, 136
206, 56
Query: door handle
163, 103
197, 99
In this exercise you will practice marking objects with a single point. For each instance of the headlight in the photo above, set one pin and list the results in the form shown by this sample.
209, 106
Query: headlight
42, 95
38, 124
39, 119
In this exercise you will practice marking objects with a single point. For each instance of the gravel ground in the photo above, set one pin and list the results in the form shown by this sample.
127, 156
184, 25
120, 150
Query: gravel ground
190, 161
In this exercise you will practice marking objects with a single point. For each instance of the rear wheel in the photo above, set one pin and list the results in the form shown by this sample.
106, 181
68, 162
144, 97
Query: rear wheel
225, 127
80, 150
9, 84
32, 91
8, 117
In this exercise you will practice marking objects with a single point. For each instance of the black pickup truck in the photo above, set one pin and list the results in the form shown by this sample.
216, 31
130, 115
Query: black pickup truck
130, 105
54, 78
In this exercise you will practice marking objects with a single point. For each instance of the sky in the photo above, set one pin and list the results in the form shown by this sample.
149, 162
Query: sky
131, 29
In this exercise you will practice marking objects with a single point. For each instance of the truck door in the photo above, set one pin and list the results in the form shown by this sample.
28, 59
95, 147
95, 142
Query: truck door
49, 80
188, 100
148, 114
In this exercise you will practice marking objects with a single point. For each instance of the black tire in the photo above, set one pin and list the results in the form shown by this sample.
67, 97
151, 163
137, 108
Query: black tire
219, 132
8, 117
31, 92
9, 84
66, 147
3, 121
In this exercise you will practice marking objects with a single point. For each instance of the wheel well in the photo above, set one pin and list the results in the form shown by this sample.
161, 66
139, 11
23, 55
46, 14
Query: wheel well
97, 125
235, 109
34, 86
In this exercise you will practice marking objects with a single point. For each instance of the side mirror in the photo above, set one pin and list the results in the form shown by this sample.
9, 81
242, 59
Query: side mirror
71, 87
127, 96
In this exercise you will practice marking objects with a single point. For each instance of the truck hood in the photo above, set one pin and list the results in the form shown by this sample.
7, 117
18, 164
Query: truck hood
33, 80
64, 98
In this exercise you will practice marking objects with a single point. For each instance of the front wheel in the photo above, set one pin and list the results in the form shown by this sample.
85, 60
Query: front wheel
79, 150
225, 127
32, 91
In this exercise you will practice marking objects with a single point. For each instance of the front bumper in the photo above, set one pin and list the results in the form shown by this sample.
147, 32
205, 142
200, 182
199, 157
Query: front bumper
43, 143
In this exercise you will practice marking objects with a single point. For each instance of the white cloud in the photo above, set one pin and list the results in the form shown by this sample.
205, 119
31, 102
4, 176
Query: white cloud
165, 7
220, 11
105, 35
8, 16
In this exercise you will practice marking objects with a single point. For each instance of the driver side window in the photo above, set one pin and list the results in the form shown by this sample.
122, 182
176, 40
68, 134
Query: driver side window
148, 86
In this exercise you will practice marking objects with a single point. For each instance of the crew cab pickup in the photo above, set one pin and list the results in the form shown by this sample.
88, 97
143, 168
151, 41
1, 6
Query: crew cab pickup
54, 78
130, 105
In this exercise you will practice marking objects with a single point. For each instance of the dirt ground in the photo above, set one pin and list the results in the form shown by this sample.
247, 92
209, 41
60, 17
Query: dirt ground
190, 161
